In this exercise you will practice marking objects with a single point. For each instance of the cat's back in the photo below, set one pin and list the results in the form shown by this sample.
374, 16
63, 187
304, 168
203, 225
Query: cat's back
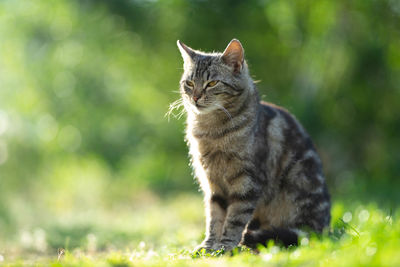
296, 190
282, 131
289, 154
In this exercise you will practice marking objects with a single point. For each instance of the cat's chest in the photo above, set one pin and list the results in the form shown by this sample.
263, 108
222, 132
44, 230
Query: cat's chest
218, 160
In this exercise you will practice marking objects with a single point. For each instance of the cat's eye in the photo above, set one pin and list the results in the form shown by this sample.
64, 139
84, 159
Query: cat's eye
189, 83
212, 83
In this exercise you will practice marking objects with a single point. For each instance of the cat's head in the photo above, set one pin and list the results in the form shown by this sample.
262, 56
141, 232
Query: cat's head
212, 81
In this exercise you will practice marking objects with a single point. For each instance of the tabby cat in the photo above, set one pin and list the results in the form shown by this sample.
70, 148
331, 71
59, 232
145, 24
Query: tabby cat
260, 173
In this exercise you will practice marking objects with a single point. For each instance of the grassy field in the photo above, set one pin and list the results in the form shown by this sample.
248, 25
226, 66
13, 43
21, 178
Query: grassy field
163, 232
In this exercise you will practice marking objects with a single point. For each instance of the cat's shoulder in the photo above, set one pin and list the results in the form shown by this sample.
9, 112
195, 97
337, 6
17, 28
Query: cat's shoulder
272, 109
278, 113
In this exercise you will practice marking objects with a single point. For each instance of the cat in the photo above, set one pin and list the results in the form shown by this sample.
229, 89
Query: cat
260, 173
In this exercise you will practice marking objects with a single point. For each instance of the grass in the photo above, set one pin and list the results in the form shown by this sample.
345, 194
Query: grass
163, 232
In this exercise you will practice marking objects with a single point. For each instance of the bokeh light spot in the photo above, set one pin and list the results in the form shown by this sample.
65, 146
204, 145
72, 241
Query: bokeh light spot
69, 138
47, 128
304, 241
370, 250
347, 217
64, 84
363, 215
3, 122
267, 256
70, 53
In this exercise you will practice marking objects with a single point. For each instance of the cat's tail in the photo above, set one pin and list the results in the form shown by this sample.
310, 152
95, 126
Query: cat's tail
286, 237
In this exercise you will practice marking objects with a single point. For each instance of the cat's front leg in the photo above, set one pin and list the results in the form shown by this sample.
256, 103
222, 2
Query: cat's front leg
239, 213
215, 217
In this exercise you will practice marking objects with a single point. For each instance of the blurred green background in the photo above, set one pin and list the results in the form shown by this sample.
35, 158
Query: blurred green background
85, 85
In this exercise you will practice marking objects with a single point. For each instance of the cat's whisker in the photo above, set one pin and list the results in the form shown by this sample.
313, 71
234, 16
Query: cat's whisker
180, 114
176, 105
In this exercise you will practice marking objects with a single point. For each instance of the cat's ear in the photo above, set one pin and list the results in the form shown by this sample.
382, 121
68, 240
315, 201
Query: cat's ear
187, 53
234, 55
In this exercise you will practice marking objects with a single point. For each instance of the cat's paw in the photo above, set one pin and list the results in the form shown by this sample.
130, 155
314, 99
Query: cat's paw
202, 248
223, 247
207, 245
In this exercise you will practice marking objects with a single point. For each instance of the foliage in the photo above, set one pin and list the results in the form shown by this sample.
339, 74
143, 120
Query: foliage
85, 148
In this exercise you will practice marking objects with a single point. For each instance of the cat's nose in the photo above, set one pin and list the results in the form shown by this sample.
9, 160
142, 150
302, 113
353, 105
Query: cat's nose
196, 98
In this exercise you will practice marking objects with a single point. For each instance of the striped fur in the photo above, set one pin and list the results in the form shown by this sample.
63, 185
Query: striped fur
258, 168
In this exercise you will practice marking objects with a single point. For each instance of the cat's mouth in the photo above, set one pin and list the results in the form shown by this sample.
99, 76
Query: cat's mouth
199, 106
